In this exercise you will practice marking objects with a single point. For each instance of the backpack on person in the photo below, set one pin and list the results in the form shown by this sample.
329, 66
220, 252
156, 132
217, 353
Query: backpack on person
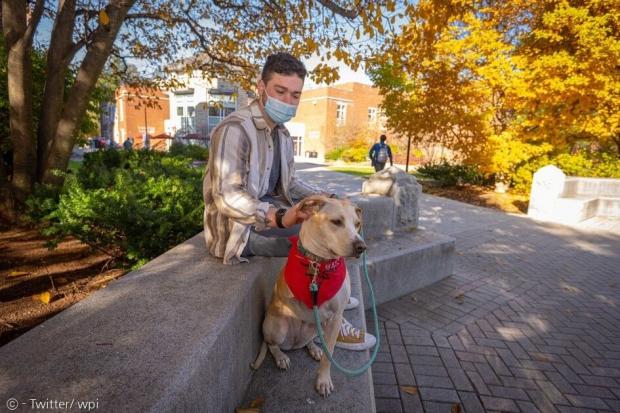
382, 154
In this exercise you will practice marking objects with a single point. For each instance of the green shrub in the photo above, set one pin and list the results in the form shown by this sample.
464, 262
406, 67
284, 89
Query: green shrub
582, 163
134, 205
522, 178
355, 154
334, 154
354, 151
195, 152
608, 166
447, 174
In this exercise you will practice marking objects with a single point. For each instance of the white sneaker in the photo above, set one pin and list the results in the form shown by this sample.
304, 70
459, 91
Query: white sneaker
351, 338
353, 302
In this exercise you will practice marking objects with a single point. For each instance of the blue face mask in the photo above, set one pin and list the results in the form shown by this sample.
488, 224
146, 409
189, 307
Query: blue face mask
278, 111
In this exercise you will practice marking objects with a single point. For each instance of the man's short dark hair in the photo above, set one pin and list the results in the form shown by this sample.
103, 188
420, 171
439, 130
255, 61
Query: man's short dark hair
284, 64
383, 138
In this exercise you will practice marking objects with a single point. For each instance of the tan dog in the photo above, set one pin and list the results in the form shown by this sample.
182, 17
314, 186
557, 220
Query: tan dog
331, 232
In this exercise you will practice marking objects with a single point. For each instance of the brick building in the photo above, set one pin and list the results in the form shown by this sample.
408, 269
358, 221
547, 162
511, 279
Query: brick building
140, 111
331, 116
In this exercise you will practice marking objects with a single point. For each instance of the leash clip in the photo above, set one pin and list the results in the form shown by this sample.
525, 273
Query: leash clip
314, 291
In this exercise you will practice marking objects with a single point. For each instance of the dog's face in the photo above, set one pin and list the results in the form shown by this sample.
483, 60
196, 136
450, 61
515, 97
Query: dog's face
332, 227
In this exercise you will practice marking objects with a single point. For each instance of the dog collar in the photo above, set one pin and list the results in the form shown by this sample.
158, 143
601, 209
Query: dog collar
311, 256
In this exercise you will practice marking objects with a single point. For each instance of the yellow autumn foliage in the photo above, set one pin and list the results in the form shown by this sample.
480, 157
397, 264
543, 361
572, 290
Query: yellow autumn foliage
502, 82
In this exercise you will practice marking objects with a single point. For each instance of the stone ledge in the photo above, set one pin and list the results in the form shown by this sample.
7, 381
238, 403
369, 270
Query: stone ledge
378, 215
563, 199
176, 335
406, 262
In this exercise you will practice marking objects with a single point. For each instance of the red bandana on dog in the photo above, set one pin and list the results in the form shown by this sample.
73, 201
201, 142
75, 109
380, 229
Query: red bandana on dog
298, 276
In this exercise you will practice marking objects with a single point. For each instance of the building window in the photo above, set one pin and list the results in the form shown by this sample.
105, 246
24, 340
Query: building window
179, 110
341, 113
297, 145
214, 111
372, 115
190, 111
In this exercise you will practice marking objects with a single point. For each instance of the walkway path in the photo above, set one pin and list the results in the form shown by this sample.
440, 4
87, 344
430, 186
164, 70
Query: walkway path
529, 322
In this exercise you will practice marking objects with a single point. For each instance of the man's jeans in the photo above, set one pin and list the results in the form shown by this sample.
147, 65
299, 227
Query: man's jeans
272, 242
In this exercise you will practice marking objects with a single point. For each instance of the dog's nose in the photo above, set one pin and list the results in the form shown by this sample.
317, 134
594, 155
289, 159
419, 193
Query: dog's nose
359, 246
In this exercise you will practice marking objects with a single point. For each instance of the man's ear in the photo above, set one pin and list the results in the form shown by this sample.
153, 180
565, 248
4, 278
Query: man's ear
312, 204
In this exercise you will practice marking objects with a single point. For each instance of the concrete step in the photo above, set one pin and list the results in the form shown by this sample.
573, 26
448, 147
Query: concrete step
405, 262
293, 390
608, 207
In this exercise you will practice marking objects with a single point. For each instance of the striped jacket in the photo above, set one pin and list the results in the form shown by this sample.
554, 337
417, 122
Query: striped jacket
237, 175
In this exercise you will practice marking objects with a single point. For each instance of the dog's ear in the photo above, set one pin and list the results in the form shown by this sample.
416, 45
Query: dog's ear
358, 211
312, 204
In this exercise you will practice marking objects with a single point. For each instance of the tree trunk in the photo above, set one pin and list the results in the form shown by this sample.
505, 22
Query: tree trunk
59, 57
18, 28
75, 107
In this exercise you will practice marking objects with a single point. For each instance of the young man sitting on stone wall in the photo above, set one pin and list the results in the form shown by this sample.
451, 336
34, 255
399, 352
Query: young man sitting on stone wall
250, 188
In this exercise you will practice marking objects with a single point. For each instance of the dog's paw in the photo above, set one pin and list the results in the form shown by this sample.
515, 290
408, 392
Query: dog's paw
315, 351
324, 385
283, 361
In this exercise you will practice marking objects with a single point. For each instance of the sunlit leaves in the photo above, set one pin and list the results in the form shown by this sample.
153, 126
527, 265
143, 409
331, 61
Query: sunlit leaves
232, 39
500, 82
104, 19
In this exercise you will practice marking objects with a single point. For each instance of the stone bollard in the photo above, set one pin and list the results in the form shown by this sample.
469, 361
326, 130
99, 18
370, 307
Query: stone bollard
403, 188
547, 186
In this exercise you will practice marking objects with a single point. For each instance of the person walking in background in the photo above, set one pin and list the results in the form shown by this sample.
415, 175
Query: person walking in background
128, 144
380, 153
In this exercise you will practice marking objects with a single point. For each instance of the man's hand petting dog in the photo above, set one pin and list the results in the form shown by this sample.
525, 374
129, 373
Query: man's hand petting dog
293, 216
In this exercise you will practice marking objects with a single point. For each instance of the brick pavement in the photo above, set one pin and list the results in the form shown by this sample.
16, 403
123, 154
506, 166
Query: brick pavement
529, 322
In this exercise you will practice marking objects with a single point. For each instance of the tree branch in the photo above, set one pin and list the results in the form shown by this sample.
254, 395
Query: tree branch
227, 5
33, 21
350, 14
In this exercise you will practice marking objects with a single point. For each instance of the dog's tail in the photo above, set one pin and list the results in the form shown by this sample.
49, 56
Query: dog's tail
260, 358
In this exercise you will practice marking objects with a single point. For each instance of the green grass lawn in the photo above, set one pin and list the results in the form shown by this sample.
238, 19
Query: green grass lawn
362, 171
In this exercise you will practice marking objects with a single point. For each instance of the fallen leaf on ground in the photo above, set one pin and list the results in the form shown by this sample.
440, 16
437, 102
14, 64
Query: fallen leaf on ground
43, 297
409, 389
459, 298
456, 408
18, 273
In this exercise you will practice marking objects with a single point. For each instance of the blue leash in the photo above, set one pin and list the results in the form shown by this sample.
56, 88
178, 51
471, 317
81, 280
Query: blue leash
314, 291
